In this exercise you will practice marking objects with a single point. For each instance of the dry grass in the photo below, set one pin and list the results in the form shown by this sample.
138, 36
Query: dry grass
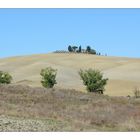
123, 73
65, 110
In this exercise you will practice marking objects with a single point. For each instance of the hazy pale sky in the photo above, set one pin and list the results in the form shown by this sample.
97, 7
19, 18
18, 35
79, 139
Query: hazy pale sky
34, 31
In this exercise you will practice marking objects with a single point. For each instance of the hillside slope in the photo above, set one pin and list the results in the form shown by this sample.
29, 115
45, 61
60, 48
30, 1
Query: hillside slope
123, 73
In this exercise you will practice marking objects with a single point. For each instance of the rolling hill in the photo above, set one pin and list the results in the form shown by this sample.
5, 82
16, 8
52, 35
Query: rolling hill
123, 73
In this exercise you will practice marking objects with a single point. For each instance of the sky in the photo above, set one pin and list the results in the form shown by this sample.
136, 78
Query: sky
115, 32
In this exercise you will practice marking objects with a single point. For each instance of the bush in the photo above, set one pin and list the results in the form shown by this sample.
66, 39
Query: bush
92, 51
5, 78
48, 77
93, 80
137, 93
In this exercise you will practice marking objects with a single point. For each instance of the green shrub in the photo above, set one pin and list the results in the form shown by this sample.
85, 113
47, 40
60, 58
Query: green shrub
5, 78
48, 77
93, 80
92, 51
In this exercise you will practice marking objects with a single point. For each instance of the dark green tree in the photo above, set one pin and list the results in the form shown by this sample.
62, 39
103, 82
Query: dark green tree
70, 48
80, 49
88, 49
74, 48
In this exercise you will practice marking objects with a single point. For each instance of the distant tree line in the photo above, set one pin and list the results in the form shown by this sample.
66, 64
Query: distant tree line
76, 49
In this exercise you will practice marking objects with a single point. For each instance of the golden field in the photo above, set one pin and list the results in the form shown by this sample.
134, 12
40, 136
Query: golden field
123, 73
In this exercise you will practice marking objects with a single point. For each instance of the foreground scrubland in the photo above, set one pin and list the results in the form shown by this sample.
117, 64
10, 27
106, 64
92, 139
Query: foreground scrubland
24, 108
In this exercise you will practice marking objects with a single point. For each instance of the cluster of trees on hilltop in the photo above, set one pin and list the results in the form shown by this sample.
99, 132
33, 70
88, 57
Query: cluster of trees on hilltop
76, 49
79, 49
